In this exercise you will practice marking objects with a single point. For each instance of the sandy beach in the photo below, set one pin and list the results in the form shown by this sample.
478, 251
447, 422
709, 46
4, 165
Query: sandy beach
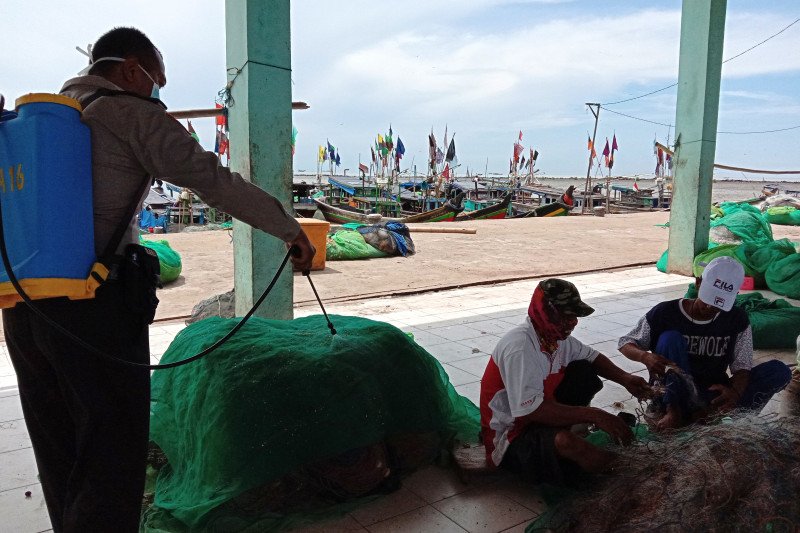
501, 250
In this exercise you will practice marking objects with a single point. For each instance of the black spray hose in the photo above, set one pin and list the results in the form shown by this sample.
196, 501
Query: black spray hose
15, 282
29, 302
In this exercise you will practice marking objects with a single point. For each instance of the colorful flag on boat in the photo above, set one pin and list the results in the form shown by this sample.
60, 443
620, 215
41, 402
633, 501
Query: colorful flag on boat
224, 146
636, 184
374, 157
338, 161
445, 136
518, 148
400, 150
221, 120
193, 133
446, 172
522, 162
363, 168
520, 135
614, 144
320, 153
606, 152
451, 150
535, 155
331, 151
439, 156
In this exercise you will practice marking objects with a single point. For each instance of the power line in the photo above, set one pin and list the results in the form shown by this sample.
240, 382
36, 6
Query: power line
729, 59
719, 132
754, 132
637, 118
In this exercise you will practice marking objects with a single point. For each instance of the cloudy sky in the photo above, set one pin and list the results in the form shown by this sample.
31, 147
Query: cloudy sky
486, 69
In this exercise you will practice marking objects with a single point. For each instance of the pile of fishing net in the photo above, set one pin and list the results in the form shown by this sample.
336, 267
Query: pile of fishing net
784, 215
741, 222
775, 323
285, 421
362, 241
169, 259
743, 232
739, 475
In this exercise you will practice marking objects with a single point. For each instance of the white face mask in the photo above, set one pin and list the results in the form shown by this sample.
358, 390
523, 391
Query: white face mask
154, 93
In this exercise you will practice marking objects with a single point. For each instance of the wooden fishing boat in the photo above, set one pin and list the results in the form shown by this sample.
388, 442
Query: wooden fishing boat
342, 215
496, 211
553, 209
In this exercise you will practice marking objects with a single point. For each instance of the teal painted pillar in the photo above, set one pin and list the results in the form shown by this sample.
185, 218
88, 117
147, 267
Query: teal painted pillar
258, 55
699, 72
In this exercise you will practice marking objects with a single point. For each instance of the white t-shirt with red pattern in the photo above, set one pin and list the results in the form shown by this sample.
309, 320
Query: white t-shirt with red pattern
518, 378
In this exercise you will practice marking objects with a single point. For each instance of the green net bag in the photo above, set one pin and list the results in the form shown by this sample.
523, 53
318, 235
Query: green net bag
283, 395
347, 244
743, 222
783, 276
784, 215
168, 258
723, 250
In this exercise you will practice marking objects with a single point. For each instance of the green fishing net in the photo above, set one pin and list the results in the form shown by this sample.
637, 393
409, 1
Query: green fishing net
347, 244
285, 404
784, 215
745, 222
783, 276
169, 259
775, 323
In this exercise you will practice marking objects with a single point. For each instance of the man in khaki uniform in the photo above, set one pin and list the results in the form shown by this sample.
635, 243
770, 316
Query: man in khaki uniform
89, 418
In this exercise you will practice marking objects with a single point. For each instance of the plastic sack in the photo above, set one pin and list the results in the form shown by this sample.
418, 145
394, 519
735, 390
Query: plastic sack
347, 244
170, 260
393, 238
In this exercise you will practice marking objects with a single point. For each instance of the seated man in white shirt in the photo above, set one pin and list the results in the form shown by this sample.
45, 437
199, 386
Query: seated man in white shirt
539, 383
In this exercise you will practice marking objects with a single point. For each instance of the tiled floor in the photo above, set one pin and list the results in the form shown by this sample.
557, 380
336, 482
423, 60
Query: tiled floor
460, 328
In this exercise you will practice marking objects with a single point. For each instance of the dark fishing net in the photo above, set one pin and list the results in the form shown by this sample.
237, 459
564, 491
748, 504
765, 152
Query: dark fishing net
286, 417
742, 474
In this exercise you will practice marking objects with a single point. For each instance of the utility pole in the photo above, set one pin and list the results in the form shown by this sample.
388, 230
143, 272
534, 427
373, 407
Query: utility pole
587, 190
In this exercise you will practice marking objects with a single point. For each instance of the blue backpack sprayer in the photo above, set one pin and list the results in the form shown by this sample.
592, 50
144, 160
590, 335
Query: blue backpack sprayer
46, 190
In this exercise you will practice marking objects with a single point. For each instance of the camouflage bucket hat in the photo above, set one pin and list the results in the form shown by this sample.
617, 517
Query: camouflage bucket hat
565, 297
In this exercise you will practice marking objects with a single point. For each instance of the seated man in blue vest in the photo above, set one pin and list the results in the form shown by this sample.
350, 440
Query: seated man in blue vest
688, 345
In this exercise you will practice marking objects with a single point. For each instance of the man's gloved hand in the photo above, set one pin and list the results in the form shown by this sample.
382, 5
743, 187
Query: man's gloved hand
301, 259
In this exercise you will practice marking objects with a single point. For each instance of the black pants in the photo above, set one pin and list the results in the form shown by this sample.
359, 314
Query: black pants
532, 454
88, 419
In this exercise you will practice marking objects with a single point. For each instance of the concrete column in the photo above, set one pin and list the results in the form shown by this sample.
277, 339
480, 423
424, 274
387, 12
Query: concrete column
258, 55
699, 72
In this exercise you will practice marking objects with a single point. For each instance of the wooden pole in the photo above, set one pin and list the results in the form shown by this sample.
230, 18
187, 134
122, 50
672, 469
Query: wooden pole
587, 190
207, 113
426, 229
